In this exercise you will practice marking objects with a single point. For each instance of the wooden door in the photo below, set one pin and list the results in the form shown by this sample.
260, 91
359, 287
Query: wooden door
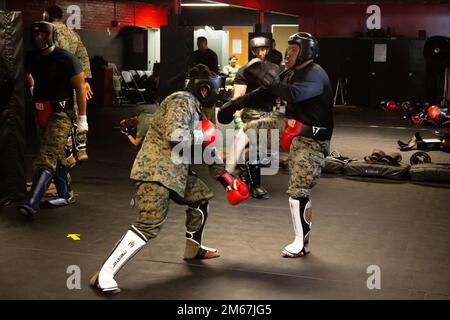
238, 43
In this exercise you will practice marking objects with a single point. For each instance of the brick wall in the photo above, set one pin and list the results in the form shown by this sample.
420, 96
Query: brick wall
96, 15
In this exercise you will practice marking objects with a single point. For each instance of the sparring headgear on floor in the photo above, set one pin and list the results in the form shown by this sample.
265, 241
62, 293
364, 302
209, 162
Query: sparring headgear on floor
48, 29
201, 77
309, 47
259, 42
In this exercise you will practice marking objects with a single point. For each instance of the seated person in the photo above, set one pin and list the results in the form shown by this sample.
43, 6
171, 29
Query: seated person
231, 70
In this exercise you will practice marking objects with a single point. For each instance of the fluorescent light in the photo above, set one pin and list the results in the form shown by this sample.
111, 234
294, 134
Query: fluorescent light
205, 5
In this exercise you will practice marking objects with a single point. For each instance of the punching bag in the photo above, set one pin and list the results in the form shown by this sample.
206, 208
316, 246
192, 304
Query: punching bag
437, 50
12, 109
437, 53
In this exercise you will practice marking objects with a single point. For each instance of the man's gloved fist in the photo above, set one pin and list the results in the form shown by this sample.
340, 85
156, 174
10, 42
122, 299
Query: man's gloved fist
237, 191
266, 74
206, 133
293, 129
82, 124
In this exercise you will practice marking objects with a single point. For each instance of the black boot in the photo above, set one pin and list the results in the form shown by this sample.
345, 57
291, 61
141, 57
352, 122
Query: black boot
254, 175
65, 193
41, 181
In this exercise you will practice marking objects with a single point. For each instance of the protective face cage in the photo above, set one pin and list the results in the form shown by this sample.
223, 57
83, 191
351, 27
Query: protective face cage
45, 27
309, 47
212, 86
259, 42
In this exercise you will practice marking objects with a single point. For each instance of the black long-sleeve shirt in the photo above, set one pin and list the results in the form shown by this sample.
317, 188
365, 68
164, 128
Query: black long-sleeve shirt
309, 95
307, 91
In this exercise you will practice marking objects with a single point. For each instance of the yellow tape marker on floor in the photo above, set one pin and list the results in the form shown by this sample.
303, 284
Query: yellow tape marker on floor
74, 236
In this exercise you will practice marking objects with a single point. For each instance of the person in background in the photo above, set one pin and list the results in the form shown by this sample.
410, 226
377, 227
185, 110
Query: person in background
259, 107
69, 40
231, 70
53, 74
274, 55
204, 55
207, 57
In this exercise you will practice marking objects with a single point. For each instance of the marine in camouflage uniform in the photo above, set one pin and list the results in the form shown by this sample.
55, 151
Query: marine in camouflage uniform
306, 89
70, 40
154, 168
161, 174
54, 73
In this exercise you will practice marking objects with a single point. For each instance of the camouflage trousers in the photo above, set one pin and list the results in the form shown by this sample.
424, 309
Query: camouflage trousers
306, 160
257, 120
152, 200
53, 140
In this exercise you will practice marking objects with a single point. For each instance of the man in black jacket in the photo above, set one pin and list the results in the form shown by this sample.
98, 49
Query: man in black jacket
204, 55
305, 89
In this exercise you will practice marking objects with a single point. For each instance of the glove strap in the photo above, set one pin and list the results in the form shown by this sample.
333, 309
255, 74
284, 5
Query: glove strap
226, 180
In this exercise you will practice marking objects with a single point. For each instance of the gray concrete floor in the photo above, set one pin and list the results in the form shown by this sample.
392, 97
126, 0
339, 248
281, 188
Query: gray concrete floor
401, 227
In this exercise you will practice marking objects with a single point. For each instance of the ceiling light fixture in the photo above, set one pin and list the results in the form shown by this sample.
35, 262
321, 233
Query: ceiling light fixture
205, 5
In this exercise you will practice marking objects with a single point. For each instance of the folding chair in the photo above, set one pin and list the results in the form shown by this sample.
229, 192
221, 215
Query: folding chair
117, 86
131, 89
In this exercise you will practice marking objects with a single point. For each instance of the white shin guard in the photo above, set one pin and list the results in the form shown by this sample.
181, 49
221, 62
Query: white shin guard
301, 227
235, 152
124, 250
194, 239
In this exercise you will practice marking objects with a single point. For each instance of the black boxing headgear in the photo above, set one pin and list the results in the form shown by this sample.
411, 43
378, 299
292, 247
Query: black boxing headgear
259, 42
200, 77
44, 27
309, 47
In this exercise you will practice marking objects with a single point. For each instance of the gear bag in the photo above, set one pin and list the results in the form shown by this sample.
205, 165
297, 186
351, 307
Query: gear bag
335, 163
379, 164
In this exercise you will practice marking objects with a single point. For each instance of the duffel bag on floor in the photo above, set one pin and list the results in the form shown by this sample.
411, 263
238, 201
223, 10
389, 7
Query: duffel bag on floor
380, 170
335, 163
430, 172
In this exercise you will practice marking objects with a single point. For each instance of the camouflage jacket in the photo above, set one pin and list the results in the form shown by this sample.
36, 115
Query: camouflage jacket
70, 40
172, 126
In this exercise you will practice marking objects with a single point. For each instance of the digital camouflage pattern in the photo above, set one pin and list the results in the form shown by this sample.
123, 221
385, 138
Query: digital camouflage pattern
53, 141
256, 120
70, 41
179, 113
306, 160
152, 200
144, 120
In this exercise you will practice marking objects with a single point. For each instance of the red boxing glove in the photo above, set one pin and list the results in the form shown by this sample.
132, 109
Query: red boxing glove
293, 129
206, 133
237, 191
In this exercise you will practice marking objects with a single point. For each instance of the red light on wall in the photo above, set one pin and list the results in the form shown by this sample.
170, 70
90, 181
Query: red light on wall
147, 16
